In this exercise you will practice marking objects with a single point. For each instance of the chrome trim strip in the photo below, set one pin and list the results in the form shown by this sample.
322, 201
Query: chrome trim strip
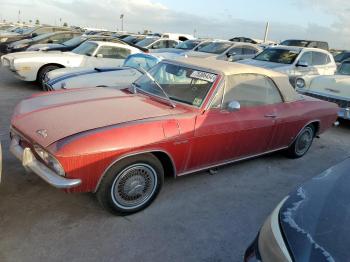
230, 161
31, 163
130, 155
325, 95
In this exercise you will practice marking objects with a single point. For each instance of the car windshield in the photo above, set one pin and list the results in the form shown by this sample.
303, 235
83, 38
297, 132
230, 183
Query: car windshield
275, 55
187, 45
87, 48
215, 47
342, 56
147, 41
181, 84
344, 69
144, 62
131, 39
75, 41
300, 43
28, 31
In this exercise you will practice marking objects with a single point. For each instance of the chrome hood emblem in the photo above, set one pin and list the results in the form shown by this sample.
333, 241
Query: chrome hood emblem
42, 132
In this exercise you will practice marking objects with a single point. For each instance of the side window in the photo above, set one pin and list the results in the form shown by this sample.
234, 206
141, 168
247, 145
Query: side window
247, 50
171, 44
306, 58
113, 52
60, 38
236, 51
319, 58
159, 44
251, 90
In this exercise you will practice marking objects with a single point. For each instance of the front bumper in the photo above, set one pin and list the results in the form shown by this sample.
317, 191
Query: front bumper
29, 161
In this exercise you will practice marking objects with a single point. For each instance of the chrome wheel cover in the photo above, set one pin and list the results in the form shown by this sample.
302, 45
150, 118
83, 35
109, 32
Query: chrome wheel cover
304, 141
134, 186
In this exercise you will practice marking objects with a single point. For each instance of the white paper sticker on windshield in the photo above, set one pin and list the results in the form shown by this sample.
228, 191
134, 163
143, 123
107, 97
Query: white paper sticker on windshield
204, 76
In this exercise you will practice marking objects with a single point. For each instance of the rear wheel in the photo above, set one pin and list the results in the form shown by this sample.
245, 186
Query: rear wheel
42, 73
131, 184
302, 143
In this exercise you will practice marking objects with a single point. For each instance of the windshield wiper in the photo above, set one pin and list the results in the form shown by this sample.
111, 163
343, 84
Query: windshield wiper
158, 85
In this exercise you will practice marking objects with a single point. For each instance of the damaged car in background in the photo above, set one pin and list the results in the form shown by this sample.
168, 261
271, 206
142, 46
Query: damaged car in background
310, 224
181, 117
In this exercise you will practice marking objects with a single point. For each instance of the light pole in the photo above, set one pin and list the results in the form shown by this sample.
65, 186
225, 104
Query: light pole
122, 18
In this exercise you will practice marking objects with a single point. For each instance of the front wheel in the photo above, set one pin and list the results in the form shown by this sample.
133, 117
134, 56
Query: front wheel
42, 73
302, 143
131, 184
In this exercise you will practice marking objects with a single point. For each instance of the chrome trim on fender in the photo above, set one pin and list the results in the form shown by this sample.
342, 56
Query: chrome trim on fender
31, 163
134, 154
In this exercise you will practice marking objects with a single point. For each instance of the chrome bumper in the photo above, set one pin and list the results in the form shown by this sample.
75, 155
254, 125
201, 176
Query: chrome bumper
31, 163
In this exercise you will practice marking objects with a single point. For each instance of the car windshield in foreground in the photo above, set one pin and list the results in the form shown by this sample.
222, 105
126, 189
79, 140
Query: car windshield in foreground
215, 47
345, 69
181, 84
275, 55
141, 62
87, 48
147, 41
300, 43
75, 41
187, 45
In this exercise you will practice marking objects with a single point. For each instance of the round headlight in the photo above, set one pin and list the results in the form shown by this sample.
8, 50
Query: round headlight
300, 83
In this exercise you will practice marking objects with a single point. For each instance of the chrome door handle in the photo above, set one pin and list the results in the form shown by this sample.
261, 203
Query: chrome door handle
271, 116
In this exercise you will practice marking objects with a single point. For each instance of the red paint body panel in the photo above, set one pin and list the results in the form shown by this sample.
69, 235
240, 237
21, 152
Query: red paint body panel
90, 131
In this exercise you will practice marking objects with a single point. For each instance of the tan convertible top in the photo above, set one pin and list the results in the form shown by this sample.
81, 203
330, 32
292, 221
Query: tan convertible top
228, 69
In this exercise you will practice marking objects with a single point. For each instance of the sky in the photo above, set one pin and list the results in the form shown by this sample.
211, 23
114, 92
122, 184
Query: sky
327, 20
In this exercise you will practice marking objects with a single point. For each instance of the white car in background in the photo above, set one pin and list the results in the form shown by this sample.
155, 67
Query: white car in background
225, 50
333, 88
33, 66
152, 42
295, 61
116, 77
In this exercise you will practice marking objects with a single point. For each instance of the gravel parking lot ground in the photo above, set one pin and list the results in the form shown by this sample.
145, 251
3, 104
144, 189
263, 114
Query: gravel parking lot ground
199, 217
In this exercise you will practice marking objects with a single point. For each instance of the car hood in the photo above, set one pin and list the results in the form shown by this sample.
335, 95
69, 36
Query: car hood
336, 85
315, 219
23, 41
62, 114
264, 64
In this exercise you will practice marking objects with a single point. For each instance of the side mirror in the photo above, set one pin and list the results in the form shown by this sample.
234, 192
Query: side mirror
34, 35
99, 55
230, 54
302, 64
233, 106
50, 41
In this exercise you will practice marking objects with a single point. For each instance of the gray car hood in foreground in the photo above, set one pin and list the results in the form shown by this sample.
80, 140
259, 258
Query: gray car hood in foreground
315, 219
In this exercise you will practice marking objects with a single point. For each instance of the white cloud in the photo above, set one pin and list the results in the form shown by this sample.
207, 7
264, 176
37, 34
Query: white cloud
147, 14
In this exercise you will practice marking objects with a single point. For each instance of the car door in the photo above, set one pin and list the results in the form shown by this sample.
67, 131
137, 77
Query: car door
222, 134
110, 56
322, 63
305, 58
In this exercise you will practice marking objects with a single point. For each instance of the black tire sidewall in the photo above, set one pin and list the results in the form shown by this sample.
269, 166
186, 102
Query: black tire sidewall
43, 71
292, 151
104, 193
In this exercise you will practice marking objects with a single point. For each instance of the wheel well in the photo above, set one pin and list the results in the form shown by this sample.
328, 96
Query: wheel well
168, 165
51, 64
316, 126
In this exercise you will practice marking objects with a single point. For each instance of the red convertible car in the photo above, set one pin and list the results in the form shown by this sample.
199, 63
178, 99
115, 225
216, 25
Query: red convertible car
181, 117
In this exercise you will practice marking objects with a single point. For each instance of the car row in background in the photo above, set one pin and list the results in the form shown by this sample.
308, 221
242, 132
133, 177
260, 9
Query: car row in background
7, 38
33, 66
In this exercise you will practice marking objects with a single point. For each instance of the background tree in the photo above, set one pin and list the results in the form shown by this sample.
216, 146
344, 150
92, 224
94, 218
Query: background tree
37, 22
65, 24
